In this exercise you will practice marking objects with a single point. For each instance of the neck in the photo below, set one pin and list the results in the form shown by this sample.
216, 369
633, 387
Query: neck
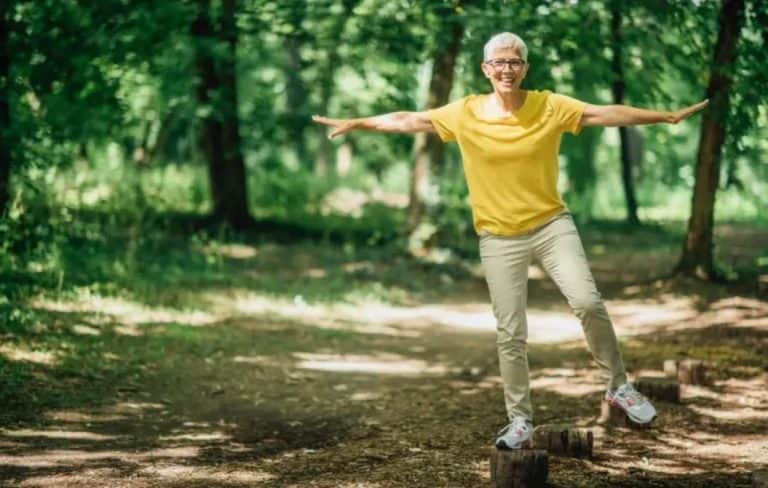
509, 101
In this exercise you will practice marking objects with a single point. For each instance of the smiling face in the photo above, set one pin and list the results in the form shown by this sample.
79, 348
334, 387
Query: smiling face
505, 69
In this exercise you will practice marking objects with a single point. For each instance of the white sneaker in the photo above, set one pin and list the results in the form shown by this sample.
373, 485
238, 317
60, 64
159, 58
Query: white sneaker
635, 404
515, 434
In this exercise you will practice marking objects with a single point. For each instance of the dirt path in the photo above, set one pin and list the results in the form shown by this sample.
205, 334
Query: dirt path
252, 392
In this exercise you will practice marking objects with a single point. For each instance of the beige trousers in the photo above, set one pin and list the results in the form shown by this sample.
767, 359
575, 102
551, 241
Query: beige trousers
558, 247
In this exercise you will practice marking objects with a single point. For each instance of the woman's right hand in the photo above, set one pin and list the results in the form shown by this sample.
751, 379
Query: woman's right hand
342, 126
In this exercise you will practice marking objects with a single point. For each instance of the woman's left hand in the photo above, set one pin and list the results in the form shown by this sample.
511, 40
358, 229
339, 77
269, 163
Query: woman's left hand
686, 112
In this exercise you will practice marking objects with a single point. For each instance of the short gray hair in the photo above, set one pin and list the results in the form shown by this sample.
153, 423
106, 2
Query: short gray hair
505, 39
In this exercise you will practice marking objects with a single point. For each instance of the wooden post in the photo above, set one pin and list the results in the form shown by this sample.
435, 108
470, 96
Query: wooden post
519, 468
692, 372
564, 440
664, 389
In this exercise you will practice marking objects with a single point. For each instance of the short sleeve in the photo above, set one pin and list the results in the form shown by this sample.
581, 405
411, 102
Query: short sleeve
568, 112
445, 119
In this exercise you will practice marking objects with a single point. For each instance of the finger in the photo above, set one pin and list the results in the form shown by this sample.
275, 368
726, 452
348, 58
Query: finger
325, 120
338, 132
700, 105
687, 112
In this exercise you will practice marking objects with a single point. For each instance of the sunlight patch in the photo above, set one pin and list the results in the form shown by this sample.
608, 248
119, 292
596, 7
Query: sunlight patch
81, 478
85, 330
364, 396
568, 381
77, 417
721, 413
200, 436
254, 360
192, 474
125, 311
634, 315
741, 303
383, 363
232, 251
58, 457
56, 434
128, 330
20, 353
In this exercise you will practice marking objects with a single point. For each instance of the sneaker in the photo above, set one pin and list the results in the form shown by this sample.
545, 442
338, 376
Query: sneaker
515, 434
633, 403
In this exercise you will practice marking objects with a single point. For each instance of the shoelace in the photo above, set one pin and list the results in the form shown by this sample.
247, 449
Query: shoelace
515, 423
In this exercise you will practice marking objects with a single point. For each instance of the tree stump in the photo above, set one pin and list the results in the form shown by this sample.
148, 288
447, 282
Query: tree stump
611, 416
692, 372
519, 468
564, 440
760, 478
664, 389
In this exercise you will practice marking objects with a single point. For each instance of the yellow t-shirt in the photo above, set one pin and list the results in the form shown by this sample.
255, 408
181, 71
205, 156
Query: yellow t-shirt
510, 163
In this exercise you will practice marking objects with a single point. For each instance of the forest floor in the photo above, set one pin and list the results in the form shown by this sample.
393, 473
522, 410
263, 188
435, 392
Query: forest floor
300, 365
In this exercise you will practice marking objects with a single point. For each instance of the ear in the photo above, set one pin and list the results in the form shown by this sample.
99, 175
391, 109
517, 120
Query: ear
484, 67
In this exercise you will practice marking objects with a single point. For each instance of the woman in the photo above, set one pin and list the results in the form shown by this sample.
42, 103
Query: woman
509, 141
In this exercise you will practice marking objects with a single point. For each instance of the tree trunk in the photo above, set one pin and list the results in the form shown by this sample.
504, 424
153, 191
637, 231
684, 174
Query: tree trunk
323, 161
428, 149
297, 101
697, 258
580, 158
519, 468
217, 90
5, 109
618, 98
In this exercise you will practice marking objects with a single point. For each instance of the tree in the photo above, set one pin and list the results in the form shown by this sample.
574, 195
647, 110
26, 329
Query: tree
327, 78
215, 59
697, 258
5, 108
617, 88
428, 149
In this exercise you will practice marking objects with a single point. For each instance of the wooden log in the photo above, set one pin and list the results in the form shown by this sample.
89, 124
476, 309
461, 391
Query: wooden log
760, 478
664, 389
563, 440
519, 468
692, 372
612, 416
670, 368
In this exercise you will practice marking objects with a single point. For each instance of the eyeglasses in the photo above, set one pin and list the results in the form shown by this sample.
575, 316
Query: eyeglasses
498, 64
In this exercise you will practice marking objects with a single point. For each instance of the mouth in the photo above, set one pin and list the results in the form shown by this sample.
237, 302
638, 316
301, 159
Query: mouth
508, 81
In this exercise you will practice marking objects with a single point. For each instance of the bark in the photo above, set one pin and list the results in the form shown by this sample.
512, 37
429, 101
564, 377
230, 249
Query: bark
524, 468
662, 389
692, 372
429, 150
564, 440
220, 137
618, 89
5, 109
697, 257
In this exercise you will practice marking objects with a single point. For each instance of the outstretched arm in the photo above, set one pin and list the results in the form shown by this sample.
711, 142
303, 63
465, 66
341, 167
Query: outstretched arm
624, 115
391, 122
